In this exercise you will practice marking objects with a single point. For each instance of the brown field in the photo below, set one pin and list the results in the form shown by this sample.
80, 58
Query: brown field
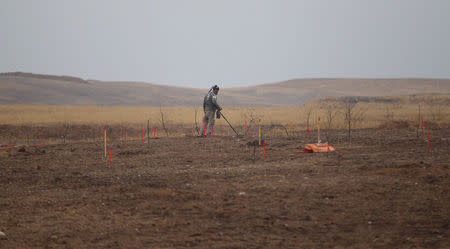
383, 190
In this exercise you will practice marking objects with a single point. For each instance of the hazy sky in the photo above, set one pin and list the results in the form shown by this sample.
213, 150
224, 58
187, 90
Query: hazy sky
233, 42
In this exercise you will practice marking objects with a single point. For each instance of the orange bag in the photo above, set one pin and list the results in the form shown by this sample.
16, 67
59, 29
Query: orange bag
319, 147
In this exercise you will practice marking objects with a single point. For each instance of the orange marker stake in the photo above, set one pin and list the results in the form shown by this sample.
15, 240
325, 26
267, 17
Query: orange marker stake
109, 157
154, 132
429, 149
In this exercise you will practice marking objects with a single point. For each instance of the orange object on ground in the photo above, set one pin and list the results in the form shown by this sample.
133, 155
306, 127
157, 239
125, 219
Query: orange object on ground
318, 147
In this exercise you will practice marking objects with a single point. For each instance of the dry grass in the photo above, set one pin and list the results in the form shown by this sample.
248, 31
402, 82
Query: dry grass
21, 124
374, 115
435, 110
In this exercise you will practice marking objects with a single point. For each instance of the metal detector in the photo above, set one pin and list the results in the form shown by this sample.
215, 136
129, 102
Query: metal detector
237, 134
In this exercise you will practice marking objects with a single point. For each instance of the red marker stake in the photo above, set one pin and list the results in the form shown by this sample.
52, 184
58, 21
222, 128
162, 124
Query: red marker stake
264, 148
7, 147
204, 131
110, 157
154, 132
429, 149
245, 128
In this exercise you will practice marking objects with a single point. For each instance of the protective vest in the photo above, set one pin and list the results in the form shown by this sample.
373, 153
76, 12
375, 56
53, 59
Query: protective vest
210, 102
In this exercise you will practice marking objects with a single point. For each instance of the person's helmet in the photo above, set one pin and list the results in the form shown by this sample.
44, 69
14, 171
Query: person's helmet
215, 87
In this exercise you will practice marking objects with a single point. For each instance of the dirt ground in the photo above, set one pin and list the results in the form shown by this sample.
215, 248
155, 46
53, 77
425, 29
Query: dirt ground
383, 190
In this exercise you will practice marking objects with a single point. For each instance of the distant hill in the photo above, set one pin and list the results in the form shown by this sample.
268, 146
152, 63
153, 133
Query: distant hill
20, 88
37, 89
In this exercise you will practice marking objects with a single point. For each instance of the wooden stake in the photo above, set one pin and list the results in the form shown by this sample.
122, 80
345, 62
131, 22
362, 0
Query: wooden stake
418, 126
105, 141
307, 126
264, 148
423, 132
318, 130
259, 132
245, 128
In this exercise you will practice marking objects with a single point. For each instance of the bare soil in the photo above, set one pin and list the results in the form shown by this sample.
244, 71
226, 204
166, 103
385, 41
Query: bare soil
382, 190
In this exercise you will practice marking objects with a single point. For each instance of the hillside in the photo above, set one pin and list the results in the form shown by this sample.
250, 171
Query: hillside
35, 89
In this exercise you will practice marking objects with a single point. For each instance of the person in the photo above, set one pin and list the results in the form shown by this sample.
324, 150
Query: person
210, 107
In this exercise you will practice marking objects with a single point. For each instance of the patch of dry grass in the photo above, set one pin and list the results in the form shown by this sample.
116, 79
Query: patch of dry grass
374, 114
